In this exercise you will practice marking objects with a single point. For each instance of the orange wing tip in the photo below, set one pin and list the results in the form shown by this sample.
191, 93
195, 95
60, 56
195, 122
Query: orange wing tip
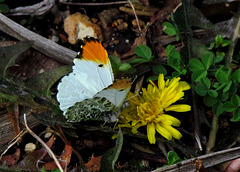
91, 49
121, 84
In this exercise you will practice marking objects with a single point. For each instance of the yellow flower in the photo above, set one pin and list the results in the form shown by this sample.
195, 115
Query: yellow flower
151, 106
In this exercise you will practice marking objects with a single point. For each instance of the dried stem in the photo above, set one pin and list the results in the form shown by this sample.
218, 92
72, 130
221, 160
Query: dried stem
43, 143
234, 41
95, 4
212, 134
139, 28
14, 141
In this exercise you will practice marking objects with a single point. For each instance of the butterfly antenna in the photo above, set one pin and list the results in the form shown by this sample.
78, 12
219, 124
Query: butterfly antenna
136, 94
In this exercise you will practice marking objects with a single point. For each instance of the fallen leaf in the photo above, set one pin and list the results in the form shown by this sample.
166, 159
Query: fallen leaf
64, 159
30, 161
78, 26
94, 164
11, 159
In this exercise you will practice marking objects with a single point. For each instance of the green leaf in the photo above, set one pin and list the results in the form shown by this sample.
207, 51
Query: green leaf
205, 81
219, 39
158, 68
152, 78
198, 75
226, 43
175, 74
125, 67
217, 108
9, 54
227, 88
139, 60
201, 89
213, 93
195, 17
199, 49
207, 60
224, 96
228, 107
55, 170
169, 29
219, 57
236, 75
216, 84
221, 86
4, 8
119, 67
110, 157
236, 115
173, 158
44, 169
211, 45
183, 72
143, 51
196, 65
174, 58
221, 76
209, 100
174, 61
2, 1
115, 61
235, 100
169, 49
44, 81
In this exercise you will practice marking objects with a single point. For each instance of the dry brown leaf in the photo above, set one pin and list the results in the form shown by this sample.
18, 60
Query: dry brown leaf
94, 164
11, 159
78, 26
64, 159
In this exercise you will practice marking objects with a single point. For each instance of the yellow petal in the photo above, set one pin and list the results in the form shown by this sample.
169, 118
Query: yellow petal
174, 81
184, 85
161, 82
175, 121
178, 108
175, 133
134, 128
163, 131
151, 133
124, 125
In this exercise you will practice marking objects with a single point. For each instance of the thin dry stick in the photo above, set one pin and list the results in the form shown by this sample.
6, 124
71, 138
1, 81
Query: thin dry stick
94, 4
139, 28
14, 141
43, 143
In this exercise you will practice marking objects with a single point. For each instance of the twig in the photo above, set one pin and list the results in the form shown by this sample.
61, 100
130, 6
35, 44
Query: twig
14, 141
42, 44
43, 143
139, 28
208, 160
36, 9
94, 4
234, 41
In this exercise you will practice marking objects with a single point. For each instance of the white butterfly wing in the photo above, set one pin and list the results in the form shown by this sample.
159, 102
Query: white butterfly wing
116, 93
91, 74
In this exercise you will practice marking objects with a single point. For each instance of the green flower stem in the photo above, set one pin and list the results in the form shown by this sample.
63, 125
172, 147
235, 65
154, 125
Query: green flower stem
212, 134
234, 41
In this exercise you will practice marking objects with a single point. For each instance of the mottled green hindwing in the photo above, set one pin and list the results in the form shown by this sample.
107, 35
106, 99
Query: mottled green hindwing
97, 108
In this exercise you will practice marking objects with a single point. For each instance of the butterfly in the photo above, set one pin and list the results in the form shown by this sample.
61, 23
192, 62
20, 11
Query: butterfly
90, 92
